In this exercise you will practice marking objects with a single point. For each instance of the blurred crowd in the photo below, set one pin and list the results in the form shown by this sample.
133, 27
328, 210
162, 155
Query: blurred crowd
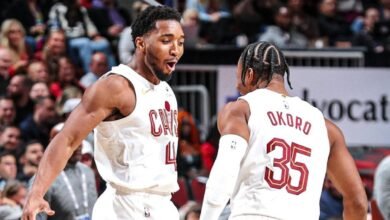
52, 50
289, 23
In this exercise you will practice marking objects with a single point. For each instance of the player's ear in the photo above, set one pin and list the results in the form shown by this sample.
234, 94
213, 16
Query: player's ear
249, 76
140, 43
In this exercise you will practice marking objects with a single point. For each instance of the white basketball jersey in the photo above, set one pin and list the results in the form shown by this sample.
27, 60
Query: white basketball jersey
138, 152
283, 170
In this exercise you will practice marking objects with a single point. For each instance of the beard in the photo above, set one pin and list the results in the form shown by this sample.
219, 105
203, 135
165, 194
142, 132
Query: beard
164, 77
15, 96
34, 163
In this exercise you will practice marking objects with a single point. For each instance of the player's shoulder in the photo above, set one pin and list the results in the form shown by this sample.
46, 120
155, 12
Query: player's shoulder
114, 80
332, 127
239, 108
113, 91
334, 132
110, 85
236, 106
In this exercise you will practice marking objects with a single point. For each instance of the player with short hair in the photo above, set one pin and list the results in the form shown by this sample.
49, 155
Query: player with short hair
134, 112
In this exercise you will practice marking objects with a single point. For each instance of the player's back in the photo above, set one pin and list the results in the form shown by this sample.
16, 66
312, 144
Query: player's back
282, 173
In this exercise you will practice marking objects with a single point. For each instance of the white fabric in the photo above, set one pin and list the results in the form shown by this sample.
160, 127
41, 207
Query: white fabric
225, 170
57, 19
133, 152
281, 127
138, 152
70, 105
138, 205
252, 217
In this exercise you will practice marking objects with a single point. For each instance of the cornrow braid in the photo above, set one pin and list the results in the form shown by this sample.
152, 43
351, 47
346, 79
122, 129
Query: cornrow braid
266, 60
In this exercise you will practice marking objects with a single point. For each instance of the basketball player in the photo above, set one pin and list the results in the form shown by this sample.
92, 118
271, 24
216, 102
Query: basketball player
135, 114
275, 150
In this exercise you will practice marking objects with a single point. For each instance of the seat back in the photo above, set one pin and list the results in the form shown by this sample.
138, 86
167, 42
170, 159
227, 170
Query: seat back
181, 197
198, 187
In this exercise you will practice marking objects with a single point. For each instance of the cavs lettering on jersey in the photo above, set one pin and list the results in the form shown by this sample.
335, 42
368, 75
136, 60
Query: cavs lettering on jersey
283, 170
138, 152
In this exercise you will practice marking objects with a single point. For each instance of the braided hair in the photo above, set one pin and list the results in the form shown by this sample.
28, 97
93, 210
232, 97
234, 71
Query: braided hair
266, 60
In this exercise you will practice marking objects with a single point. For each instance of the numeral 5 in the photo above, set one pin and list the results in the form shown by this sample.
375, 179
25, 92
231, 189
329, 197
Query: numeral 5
289, 155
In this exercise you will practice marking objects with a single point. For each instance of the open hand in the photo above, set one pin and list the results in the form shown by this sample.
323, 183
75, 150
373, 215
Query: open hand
34, 206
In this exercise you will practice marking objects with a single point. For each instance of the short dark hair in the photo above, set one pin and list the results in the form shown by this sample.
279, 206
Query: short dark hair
26, 145
265, 59
146, 21
4, 153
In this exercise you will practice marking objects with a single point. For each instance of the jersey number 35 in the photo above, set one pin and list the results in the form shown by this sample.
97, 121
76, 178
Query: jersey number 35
289, 155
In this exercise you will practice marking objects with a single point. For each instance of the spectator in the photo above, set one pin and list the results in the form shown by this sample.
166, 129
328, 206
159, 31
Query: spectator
189, 161
382, 187
15, 191
332, 27
366, 36
282, 34
6, 62
126, 43
66, 77
8, 168
10, 139
33, 19
384, 10
9, 209
19, 90
7, 111
29, 159
302, 21
73, 194
39, 89
87, 154
83, 37
253, 15
209, 148
109, 18
215, 18
191, 25
12, 36
350, 9
69, 105
54, 48
125, 46
382, 29
69, 99
98, 67
87, 159
42, 120
37, 71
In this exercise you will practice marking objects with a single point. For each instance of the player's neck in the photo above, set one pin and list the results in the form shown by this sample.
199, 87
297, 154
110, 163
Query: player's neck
277, 85
138, 65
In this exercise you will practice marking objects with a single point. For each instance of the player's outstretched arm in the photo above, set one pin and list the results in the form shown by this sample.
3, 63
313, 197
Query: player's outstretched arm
232, 124
343, 173
98, 102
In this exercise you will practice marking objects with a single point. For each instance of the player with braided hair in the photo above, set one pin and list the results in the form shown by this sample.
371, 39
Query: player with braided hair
275, 150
